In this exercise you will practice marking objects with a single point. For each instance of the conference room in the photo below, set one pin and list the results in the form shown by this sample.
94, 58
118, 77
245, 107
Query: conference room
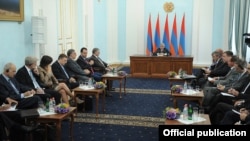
121, 68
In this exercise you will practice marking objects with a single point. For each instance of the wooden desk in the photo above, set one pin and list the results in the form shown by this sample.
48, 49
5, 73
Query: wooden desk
58, 118
92, 92
176, 122
159, 66
198, 97
115, 76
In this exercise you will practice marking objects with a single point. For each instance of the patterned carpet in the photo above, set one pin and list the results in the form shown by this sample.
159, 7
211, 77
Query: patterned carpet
134, 117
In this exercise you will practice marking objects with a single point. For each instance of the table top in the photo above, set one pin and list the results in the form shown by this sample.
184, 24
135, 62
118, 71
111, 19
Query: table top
199, 94
177, 77
113, 75
78, 89
176, 122
57, 116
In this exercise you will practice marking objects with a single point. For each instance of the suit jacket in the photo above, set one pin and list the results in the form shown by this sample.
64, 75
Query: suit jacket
98, 66
48, 79
229, 78
58, 71
83, 63
74, 69
221, 69
23, 77
164, 51
245, 94
6, 90
238, 84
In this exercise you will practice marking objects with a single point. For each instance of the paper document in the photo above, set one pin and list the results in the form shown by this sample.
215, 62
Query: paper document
226, 94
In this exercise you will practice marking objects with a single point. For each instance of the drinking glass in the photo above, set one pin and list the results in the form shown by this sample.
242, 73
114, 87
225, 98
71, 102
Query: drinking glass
195, 113
81, 83
201, 112
197, 88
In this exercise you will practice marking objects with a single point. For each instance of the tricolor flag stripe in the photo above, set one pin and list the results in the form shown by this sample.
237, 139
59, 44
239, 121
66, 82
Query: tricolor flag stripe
157, 35
174, 44
149, 38
182, 37
166, 38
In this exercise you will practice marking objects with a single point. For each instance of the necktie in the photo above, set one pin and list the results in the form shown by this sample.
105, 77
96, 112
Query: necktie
13, 86
91, 69
65, 72
34, 80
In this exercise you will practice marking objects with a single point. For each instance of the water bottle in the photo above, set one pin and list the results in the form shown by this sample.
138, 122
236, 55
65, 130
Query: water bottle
47, 105
185, 112
185, 86
51, 107
190, 112
90, 83
53, 102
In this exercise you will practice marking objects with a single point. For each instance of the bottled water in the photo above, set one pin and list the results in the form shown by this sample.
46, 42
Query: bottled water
185, 86
51, 107
90, 83
185, 112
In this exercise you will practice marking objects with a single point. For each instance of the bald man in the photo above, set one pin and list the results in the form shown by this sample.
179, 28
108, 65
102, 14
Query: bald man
11, 89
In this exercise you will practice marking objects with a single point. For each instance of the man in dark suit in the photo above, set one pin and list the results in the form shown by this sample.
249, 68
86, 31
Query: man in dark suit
73, 68
212, 94
28, 75
101, 67
61, 73
86, 65
162, 50
10, 88
220, 69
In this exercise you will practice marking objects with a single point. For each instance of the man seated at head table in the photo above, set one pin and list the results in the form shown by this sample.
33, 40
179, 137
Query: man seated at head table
11, 88
162, 51
86, 64
28, 75
62, 74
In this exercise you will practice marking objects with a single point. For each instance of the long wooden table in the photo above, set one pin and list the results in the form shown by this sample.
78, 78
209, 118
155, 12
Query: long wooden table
159, 66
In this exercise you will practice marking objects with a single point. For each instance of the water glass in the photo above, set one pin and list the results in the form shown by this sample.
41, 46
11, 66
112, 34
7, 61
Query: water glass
201, 112
195, 113
81, 83
197, 88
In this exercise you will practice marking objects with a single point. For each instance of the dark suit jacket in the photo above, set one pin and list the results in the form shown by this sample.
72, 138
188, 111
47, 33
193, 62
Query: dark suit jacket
83, 63
246, 94
58, 71
6, 89
239, 84
164, 51
221, 69
98, 66
73, 68
23, 77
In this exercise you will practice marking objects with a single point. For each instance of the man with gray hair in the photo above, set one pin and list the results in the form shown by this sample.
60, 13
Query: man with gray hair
73, 68
28, 75
162, 50
11, 88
